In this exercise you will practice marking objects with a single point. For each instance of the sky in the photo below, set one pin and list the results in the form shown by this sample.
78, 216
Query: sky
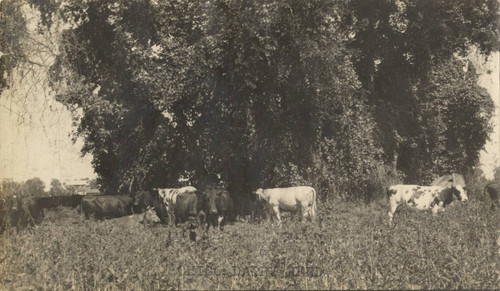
37, 142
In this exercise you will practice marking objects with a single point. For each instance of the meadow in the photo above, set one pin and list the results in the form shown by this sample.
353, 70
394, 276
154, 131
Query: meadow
350, 246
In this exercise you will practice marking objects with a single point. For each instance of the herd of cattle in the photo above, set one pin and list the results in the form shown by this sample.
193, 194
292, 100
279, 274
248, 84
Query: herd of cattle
215, 206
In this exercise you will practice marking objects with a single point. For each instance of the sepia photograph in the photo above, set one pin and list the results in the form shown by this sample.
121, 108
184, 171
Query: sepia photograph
249, 145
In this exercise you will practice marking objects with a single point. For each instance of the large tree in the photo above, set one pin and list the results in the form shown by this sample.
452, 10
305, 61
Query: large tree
273, 93
432, 117
244, 92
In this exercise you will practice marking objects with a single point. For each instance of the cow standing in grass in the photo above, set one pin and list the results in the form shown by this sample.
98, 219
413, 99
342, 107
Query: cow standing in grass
188, 210
423, 197
107, 206
493, 190
169, 197
218, 206
291, 199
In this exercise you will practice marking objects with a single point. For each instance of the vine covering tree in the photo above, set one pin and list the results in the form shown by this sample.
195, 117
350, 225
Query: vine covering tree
337, 94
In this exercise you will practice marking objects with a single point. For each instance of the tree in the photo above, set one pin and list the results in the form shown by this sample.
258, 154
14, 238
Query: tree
12, 32
9, 189
34, 187
273, 93
93, 184
150, 103
407, 50
496, 175
56, 188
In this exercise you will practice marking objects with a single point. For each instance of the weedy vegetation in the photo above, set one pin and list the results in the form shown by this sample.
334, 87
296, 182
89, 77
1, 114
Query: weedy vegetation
350, 246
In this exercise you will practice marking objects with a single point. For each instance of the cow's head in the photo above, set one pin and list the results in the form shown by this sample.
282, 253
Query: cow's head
259, 194
460, 193
143, 199
150, 216
211, 201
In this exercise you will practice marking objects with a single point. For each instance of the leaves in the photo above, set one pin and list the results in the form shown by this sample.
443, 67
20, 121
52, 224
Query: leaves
267, 93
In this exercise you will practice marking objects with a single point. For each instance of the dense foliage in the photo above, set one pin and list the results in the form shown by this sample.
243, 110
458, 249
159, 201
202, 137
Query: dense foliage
12, 32
343, 95
433, 117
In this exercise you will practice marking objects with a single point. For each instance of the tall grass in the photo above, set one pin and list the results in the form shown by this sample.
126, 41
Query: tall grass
349, 247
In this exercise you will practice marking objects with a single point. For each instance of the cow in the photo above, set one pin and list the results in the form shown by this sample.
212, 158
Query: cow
147, 218
71, 201
144, 200
150, 217
52, 202
493, 190
188, 206
289, 199
169, 197
218, 206
107, 206
189, 209
423, 197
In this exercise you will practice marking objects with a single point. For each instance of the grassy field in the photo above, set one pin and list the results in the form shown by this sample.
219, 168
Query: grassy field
349, 247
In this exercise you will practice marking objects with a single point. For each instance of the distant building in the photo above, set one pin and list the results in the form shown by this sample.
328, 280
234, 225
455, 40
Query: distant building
80, 187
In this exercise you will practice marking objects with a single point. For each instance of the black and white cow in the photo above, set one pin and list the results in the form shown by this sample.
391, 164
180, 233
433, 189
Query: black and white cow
423, 197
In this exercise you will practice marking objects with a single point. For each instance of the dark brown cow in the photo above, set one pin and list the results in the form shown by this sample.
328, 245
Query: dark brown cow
218, 206
56, 201
493, 190
189, 209
107, 206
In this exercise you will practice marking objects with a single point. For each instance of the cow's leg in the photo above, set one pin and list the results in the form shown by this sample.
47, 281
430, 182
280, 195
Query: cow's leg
305, 212
221, 221
212, 221
171, 218
495, 204
435, 209
392, 208
271, 213
310, 212
276, 212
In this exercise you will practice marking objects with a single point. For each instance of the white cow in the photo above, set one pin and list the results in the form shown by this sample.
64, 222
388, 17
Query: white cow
147, 218
289, 199
423, 197
169, 196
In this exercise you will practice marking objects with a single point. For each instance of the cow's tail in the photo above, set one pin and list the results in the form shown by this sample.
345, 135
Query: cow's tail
130, 185
313, 212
